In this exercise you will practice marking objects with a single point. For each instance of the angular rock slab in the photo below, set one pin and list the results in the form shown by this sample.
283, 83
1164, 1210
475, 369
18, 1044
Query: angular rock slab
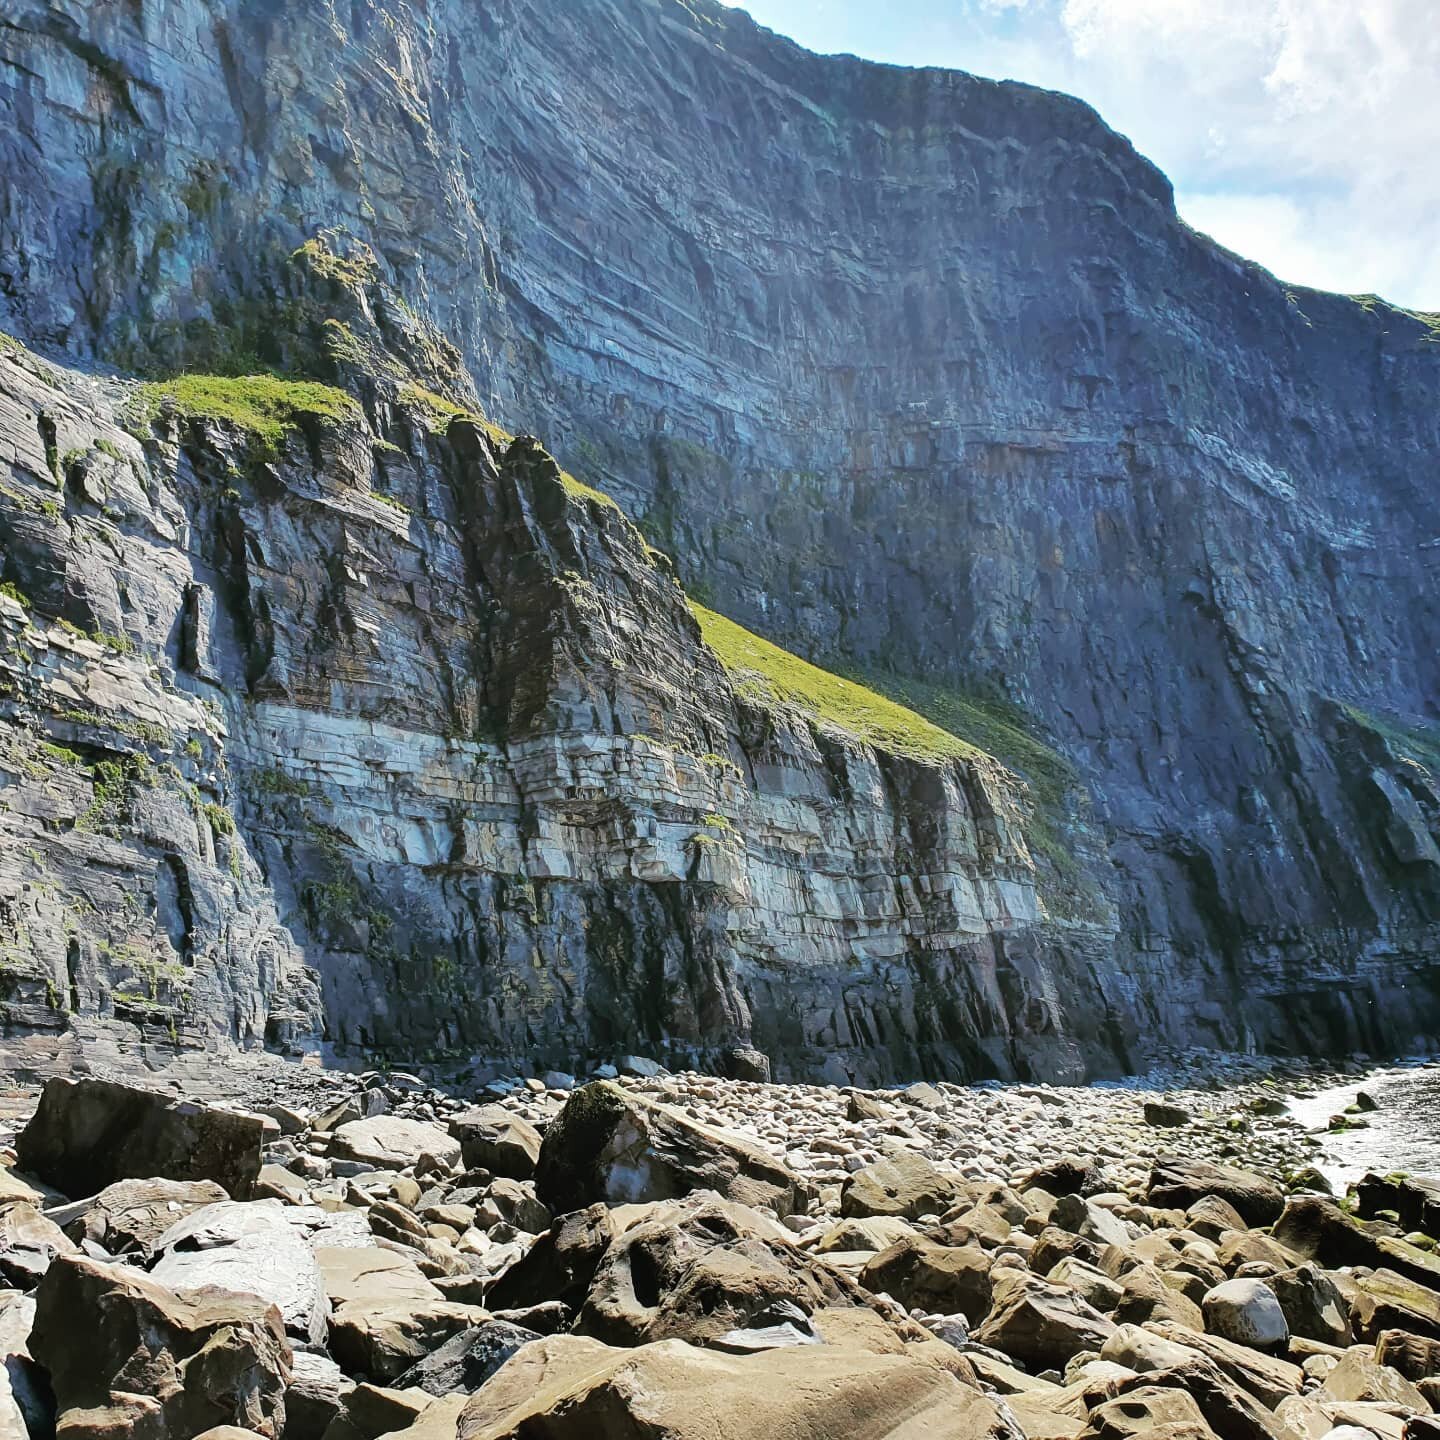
607, 1144
386, 1316
498, 1140
571, 1388
87, 1134
1176, 1183
249, 1248
390, 1143
165, 1363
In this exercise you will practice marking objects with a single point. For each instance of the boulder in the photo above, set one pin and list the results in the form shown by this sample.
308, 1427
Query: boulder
248, 1247
388, 1142
1316, 1228
1267, 1377
316, 1394
700, 1269
1164, 1116
1089, 1221
134, 1214
27, 1407
1143, 1411
385, 1315
164, 1362
1145, 1297
87, 1134
1212, 1218
467, 1360
498, 1140
1415, 1357
870, 1232
1384, 1300
942, 1279
1313, 1306
905, 1185
1414, 1198
560, 1264
1247, 1312
1358, 1377
28, 1243
1040, 1324
1177, 1183
1229, 1412
573, 1388
1067, 1175
607, 1144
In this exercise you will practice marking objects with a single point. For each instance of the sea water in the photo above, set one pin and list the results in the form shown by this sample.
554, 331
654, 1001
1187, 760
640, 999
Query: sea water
1403, 1133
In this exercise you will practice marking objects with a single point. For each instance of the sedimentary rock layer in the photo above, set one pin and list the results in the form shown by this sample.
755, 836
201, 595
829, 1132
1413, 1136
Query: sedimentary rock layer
906, 369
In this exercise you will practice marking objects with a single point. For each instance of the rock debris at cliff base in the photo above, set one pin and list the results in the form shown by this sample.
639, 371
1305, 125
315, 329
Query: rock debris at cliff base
683, 1255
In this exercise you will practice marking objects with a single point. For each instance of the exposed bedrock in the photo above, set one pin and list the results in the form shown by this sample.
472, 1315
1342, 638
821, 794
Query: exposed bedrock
908, 370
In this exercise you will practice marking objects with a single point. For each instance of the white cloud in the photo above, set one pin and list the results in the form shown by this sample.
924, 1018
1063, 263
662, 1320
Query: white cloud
1299, 132
1302, 133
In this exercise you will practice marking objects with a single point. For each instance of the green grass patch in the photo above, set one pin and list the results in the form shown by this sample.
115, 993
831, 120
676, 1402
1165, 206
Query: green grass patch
60, 754
773, 677
579, 490
990, 724
12, 592
439, 413
263, 406
1413, 740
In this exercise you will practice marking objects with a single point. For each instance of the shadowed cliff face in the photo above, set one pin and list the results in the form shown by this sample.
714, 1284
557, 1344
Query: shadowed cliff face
906, 369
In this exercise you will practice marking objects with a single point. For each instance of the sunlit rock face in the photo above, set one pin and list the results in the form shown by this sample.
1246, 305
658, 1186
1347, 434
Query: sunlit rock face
906, 369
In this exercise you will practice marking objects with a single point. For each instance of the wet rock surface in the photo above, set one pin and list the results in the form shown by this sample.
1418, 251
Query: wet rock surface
418, 1294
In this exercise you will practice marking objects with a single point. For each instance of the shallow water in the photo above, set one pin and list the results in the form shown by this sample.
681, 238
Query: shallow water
1404, 1132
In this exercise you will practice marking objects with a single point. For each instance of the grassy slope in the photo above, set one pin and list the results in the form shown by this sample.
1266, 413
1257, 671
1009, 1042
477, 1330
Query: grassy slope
772, 676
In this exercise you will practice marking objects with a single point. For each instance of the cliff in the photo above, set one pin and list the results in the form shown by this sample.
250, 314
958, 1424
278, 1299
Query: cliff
917, 374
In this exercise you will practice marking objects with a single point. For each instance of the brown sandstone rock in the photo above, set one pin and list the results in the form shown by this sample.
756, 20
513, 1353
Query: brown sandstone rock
608, 1144
87, 1134
572, 1388
385, 1314
904, 1185
945, 1279
108, 1334
1181, 1182
496, 1139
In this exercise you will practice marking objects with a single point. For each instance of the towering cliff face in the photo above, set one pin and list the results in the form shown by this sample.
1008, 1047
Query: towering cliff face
908, 370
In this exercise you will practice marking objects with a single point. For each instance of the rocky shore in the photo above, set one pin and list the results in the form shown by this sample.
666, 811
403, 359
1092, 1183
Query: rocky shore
639, 1254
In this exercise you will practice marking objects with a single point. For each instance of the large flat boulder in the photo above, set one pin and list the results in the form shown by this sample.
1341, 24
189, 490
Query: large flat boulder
572, 1388
607, 1144
904, 1185
155, 1361
87, 1134
1177, 1183
385, 1315
251, 1248
389, 1142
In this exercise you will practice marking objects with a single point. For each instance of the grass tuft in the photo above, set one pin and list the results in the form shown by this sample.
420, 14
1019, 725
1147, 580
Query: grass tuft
264, 406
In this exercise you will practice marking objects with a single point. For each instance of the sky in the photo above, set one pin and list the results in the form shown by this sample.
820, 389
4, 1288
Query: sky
1304, 134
